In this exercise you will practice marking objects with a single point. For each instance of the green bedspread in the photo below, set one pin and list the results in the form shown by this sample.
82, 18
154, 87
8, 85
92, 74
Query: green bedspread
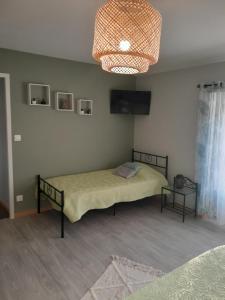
102, 189
202, 278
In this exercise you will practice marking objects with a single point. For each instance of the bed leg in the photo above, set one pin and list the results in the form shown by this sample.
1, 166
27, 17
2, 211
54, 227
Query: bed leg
39, 194
62, 214
62, 224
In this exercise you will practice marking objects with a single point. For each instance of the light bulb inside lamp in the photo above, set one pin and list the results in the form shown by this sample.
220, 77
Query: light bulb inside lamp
124, 45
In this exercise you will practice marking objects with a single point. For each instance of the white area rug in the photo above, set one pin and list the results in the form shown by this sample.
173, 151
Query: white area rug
121, 279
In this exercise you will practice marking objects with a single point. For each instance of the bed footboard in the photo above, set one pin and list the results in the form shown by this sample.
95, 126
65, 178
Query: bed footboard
54, 195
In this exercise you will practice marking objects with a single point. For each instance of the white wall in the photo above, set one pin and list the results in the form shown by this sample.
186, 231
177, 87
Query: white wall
172, 124
4, 197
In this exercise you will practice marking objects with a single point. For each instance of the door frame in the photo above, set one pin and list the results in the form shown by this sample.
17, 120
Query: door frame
6, 78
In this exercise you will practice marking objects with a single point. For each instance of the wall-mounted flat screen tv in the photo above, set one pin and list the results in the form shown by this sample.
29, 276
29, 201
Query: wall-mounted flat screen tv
130, 102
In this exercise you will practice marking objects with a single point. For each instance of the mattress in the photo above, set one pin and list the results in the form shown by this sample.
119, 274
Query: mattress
102, 189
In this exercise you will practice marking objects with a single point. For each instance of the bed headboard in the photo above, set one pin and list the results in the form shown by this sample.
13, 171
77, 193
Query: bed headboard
154, 160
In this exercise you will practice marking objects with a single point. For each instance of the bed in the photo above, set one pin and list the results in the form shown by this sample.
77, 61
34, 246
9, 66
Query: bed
74, 195
201, 278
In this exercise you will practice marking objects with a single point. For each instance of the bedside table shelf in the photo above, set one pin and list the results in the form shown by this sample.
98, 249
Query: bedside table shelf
190, 188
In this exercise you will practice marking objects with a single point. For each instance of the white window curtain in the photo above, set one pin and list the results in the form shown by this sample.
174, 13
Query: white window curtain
211, 153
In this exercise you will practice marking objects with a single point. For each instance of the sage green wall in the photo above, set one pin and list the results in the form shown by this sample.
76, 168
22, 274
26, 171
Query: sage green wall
55, 142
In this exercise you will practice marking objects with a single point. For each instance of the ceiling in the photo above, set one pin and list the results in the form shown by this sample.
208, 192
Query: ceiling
193, 30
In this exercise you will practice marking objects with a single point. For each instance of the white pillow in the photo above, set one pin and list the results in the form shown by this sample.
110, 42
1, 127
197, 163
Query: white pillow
127, 170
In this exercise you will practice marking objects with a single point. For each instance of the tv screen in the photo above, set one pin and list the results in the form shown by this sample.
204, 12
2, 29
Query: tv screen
130, 102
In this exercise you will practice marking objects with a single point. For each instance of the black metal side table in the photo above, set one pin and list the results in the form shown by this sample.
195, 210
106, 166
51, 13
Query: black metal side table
189, 188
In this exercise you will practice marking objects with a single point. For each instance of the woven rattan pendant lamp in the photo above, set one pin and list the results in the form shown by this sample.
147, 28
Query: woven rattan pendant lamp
127, 36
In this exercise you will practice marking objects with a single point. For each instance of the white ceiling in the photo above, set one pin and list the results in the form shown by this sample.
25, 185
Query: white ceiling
193, 30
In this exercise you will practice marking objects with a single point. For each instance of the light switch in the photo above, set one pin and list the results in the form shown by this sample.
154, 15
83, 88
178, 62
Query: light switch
19, 198
17, 138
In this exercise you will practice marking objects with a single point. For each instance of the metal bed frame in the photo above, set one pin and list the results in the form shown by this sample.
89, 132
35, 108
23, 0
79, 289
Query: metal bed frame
154, 160
57, 197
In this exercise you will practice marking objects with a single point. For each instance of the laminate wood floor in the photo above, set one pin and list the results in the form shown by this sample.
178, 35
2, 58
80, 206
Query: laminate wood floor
36, 264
